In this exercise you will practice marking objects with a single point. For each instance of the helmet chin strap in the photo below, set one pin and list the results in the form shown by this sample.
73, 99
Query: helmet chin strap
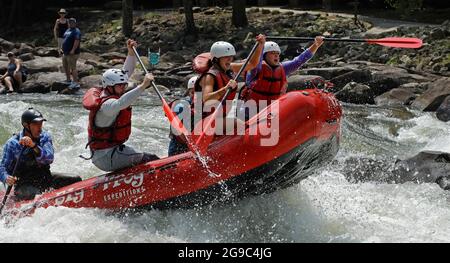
27, 129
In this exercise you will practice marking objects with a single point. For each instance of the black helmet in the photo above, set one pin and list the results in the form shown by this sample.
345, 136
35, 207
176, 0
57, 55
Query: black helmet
32, 115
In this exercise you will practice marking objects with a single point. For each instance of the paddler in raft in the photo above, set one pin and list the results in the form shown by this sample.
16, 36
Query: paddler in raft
110, 113
268, 80
27, 157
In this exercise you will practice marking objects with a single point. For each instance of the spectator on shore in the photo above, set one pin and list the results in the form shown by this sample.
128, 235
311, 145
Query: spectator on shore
15, 74
61, 26
71, 53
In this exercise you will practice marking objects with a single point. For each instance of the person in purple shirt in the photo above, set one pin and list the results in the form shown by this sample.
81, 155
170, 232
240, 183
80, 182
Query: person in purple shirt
268, 80
33, 149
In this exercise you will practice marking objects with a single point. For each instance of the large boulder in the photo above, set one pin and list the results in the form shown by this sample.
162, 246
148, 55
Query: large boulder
172, 57
443, 112
359, 76
26, 56
46, 52
84, 69
425, 167
329, 73
91, 81
356, 93
387, 77
6, 45
50, 77
113, 55
24, 48
59, 86
43, 64
395, 97
300, 82
434, 96
32, 86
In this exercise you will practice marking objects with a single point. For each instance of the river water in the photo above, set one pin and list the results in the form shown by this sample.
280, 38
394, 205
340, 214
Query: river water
325, 207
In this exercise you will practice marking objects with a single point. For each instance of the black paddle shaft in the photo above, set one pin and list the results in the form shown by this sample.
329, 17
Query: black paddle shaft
146, 71
8, 189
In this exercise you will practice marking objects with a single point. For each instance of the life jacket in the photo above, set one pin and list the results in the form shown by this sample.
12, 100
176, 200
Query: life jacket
31, 173
105, 137
268, 84
221, 79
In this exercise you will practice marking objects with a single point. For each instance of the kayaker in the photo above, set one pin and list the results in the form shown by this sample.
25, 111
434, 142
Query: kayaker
214, 83
110, 118
183, 109
268, 80
33, 175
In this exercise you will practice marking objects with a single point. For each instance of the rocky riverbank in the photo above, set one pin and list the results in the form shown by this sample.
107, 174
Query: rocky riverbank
361, 73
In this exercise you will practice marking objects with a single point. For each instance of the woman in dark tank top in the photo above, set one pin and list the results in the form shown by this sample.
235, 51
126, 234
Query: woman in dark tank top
61, 25
15, 75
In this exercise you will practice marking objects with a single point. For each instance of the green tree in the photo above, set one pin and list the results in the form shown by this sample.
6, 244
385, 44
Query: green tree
239, 17
189, 16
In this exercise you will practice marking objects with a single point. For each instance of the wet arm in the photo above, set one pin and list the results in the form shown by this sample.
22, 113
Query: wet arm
253, 63
130, 64
292, 65
112, 107
45, 152
6, 162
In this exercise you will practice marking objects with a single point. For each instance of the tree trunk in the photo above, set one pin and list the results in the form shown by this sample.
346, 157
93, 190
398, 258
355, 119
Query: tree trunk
239, 17
127, 17
189, 16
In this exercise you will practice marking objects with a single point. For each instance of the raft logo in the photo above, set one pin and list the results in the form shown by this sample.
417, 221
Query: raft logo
259, 120
69, 196
135, 181
124, 193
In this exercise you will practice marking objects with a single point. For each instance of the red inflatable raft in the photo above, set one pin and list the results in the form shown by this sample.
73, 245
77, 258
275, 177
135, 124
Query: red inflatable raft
238, 166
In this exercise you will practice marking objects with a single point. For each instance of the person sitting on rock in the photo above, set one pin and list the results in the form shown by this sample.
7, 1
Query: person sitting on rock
33, 149
268, 80
15, 74
109, 124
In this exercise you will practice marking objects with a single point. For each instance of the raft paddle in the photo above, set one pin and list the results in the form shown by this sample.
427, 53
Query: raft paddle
207, 136
400, 42
8, 189
173, 119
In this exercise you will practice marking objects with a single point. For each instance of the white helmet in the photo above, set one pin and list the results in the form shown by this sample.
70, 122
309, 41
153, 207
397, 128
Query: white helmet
191, 82
271, 46
114, 76
222, 49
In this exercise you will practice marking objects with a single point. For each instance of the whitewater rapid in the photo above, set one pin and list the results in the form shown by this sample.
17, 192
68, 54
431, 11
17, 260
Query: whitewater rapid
323, 208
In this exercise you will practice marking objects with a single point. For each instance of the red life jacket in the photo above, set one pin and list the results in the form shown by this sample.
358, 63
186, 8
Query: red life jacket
269, 84
106, 137
221, 79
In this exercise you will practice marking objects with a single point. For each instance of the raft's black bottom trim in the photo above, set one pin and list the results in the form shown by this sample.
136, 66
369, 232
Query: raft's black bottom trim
281, 172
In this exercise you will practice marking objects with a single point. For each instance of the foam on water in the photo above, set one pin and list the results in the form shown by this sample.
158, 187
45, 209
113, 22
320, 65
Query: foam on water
323, 208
